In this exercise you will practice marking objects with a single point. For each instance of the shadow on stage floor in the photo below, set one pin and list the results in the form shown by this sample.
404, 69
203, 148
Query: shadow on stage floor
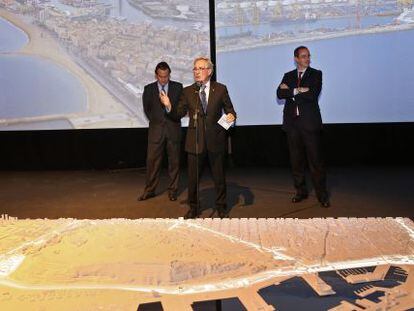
252, 192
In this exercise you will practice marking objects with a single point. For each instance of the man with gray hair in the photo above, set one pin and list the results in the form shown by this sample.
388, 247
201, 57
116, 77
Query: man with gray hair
205, 101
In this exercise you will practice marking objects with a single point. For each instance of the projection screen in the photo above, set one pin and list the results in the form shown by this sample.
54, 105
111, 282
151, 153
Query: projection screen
75, 64
363, 47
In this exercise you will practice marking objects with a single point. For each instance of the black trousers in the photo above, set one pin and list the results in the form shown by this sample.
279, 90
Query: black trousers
216, 160
305, 146
154, 161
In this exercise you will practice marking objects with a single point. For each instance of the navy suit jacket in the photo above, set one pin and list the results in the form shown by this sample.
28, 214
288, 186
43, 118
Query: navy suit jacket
160, 123
309, 113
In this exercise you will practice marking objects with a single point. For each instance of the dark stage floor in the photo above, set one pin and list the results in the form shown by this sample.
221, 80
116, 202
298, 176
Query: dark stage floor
252, 192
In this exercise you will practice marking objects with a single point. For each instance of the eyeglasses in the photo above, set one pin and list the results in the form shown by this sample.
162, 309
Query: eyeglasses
199, 69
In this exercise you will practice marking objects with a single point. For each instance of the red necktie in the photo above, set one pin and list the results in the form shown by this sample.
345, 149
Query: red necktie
299, 81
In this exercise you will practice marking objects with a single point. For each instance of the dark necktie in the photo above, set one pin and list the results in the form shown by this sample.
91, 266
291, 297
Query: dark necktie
203, 98
296, 113
300, 78
164, 92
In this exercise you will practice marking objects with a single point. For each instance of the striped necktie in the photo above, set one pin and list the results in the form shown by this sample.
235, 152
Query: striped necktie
203, 98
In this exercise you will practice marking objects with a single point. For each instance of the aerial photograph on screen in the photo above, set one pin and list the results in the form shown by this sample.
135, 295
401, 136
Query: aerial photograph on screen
363, 48
76, 64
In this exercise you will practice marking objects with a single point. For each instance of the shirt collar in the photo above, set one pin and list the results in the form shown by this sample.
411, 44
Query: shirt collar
303, 71
160, 86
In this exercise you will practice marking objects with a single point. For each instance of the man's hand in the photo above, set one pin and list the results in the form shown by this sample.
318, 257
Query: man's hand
303, 89
230, 117
165, 100
284, 86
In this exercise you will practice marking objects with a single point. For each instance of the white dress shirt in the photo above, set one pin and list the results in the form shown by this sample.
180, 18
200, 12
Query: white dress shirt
207, 90
295, 90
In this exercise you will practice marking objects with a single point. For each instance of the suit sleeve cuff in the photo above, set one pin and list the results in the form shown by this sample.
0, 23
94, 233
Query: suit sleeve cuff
295, 91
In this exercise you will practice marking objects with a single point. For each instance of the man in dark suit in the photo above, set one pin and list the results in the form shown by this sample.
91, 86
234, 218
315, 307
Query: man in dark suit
302, 123
163, 133
205, 101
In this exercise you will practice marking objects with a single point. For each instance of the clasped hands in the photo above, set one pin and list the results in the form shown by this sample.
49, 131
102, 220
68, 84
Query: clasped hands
165, 100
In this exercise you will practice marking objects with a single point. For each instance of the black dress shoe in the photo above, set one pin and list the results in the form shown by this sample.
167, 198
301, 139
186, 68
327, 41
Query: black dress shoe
325, 203
191, 214
223, 214
299, 197
222, 211
172, 196
146, 196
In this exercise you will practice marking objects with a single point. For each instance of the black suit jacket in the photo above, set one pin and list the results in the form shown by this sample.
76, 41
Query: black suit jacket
211, 135
160, 123
307, 103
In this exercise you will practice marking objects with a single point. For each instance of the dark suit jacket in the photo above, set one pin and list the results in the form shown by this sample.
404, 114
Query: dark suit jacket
160, 123
309, 113
211, 135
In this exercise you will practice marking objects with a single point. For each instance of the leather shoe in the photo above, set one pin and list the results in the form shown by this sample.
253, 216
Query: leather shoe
223, 214
299, 197
146, 196
172, 196
191, 214
325, 203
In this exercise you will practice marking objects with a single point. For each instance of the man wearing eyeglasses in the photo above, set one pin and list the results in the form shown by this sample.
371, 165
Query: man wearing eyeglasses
302, 123
205, 101
163, 132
